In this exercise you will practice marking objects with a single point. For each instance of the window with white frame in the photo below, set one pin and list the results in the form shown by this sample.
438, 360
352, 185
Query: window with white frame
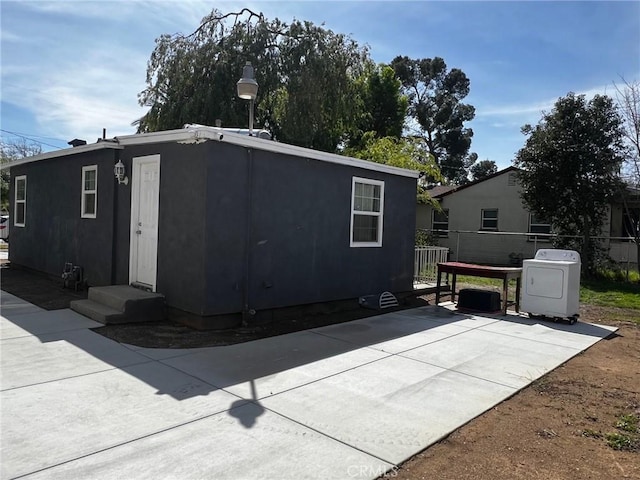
20, 203
367, 211
538, 225
489, 219
89, 205
630, 222
440, 222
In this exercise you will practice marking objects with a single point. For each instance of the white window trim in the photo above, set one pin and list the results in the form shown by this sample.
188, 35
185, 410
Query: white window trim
16, 201
440, 234
83, 193
537, 236
379, 214
482, 219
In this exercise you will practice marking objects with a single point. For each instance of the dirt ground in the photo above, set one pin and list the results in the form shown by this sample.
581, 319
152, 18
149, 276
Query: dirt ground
557, 427
560, 427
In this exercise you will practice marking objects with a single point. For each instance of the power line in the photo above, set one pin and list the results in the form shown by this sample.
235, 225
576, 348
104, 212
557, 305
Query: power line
33, 135
31, 139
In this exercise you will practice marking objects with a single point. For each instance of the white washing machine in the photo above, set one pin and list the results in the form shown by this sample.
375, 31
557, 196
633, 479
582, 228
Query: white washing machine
551, 284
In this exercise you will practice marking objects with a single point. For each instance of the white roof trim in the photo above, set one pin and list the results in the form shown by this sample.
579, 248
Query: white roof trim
62, 153
213, 133
198, 134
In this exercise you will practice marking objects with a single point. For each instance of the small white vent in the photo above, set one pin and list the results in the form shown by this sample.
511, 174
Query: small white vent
378, 301
388, 300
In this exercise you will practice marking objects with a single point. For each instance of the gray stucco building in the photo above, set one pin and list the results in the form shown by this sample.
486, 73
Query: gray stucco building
220, 223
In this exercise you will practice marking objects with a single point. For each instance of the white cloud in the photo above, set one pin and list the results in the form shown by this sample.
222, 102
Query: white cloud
89, 96
89, 78
514, 109
7, 36
521, 113
79, 97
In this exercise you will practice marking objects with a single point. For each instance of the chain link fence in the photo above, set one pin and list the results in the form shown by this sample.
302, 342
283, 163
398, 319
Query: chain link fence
511, 248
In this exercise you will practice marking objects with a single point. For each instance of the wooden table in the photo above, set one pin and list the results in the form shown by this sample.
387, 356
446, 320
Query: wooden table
505, 273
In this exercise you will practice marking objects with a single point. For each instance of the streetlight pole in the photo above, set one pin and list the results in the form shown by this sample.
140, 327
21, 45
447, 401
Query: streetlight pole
248, 90
251, 116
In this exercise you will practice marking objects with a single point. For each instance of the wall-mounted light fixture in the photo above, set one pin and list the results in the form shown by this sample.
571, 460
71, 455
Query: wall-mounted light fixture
248, 90
120, 173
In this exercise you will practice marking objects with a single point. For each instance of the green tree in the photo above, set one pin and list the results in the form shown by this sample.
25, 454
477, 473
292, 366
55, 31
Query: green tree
435, 104
570, 164
306, 75
483, 169
409, 153
11, 150
384, 108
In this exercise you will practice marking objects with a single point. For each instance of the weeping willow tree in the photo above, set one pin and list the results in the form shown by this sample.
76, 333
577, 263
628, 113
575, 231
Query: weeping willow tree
307, 75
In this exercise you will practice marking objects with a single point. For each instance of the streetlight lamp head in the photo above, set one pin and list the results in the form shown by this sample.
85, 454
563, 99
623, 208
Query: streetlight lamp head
247, 85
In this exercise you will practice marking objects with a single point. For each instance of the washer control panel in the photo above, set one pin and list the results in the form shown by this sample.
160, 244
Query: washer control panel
558, 255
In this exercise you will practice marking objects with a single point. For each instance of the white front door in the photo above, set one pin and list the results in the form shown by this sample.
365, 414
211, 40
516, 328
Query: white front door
145, 197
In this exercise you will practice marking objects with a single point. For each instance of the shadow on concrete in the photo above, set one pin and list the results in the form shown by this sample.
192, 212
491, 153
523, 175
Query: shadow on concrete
235, 368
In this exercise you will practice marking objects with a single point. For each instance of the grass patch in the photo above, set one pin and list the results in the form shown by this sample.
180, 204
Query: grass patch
607, 293
621, 441
628, 423
587, 432
619, 275
495, 284
601, 292
628, 436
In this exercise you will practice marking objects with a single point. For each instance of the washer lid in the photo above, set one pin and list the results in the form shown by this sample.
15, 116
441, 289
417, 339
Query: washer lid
556, 254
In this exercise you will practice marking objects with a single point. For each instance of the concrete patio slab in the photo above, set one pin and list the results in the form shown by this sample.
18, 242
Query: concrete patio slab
579, 335
447, 314
12, 308
43, 322
220, 448
7, 299
164, 353
510, 361
273, 365
391, 408
58, 421
342, 401
54, 356
392, 333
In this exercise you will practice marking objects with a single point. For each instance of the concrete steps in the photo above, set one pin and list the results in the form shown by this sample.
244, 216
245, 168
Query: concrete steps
120, 304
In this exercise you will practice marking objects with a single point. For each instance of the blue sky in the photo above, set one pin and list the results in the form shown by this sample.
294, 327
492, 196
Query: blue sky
71, 68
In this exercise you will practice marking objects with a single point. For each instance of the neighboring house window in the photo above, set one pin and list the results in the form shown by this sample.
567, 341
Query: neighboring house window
20, 204
441, 222
89, 191
538, 225
489, 219
367, 208
630, 222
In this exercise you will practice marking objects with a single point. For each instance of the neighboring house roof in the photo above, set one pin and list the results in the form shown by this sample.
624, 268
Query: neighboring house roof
202, 134
475, 182
439, 190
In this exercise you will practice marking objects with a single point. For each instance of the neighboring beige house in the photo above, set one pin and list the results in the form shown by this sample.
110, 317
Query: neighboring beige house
488, 223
